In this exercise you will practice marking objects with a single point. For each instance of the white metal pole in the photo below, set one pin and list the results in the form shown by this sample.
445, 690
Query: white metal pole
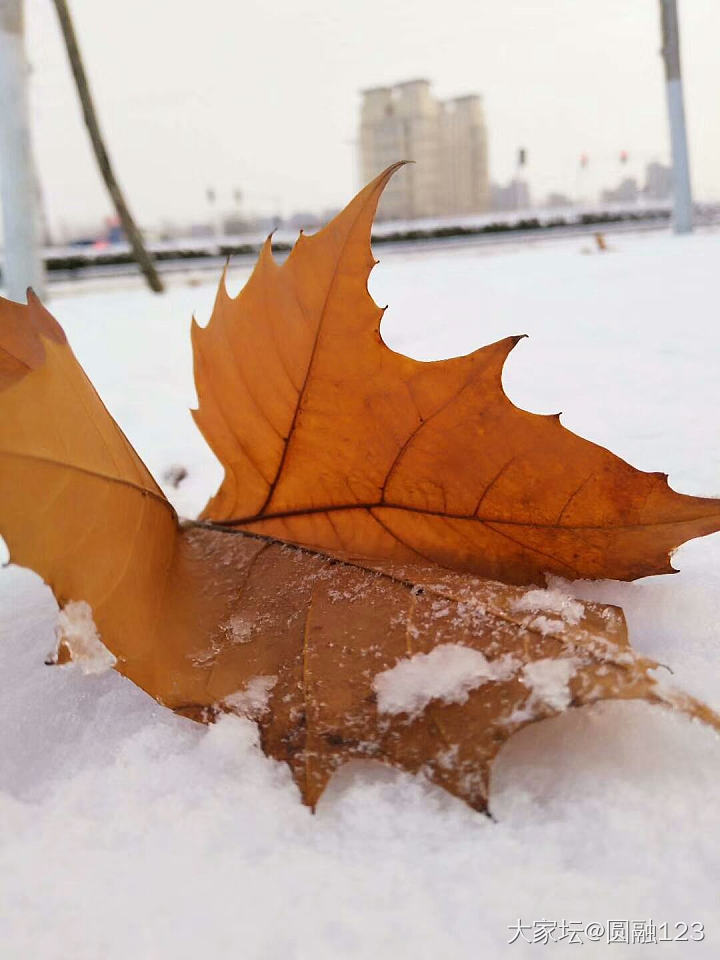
682, 194
22, 264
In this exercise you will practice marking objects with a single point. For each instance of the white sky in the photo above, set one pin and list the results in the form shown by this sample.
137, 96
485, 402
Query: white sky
262, 95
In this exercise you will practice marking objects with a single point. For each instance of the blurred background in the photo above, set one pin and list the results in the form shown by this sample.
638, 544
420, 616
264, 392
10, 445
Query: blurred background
225, 120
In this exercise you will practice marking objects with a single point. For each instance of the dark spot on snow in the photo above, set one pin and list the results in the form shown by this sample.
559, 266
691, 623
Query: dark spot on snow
174, 475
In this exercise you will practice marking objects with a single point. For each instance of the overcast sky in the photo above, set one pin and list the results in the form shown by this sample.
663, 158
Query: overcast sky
263, 95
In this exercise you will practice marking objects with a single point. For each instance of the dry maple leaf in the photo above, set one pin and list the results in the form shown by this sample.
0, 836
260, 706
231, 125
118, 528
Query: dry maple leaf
331, 440
416, 666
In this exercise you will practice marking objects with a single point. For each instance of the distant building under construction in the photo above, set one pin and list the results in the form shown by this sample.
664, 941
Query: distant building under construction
446, 139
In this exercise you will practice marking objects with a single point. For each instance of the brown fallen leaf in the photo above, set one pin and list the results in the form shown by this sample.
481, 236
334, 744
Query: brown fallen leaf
331, 440
419, 667
426, 670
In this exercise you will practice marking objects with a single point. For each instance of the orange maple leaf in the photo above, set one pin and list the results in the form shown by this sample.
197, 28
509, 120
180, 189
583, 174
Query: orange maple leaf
336, 658
330, 439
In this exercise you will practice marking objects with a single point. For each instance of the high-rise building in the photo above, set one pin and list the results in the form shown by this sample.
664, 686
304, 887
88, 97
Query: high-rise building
658, 181
627, 191
446, 139
515, 196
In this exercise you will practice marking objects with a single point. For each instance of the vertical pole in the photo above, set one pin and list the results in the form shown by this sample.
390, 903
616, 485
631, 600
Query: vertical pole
22, 264
682, 195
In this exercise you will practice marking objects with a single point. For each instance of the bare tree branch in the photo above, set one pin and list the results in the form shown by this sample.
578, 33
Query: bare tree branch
101, 155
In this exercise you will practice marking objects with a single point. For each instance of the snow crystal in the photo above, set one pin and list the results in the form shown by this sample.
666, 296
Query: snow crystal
76, 629
447, 759
447, 673
252, 701
239, 629
440, 609
548, 680
551, 601
546, 626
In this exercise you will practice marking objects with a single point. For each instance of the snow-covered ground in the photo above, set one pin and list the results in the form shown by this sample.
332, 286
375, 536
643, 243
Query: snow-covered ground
126, 831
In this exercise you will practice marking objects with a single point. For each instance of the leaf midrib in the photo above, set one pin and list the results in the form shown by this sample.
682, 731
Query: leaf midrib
311, 361
479, 518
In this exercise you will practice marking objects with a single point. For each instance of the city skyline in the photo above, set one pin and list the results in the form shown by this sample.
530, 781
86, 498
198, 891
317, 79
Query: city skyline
276, 117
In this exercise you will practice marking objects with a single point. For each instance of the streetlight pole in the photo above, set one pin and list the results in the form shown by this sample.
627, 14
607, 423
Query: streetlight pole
682, 194
22, 264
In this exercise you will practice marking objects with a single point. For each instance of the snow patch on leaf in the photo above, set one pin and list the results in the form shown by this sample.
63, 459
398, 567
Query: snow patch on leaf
551, 601
239, 629
253, 700
448, 673
547, 626
549, 680
76, 630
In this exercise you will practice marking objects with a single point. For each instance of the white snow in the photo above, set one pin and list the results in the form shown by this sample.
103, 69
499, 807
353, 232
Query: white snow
549, 680
76, 629
253, 700
127, 831
547, 626
551, 601
448, 673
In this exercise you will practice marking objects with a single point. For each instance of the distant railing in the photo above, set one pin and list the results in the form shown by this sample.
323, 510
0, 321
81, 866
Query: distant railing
173, 255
